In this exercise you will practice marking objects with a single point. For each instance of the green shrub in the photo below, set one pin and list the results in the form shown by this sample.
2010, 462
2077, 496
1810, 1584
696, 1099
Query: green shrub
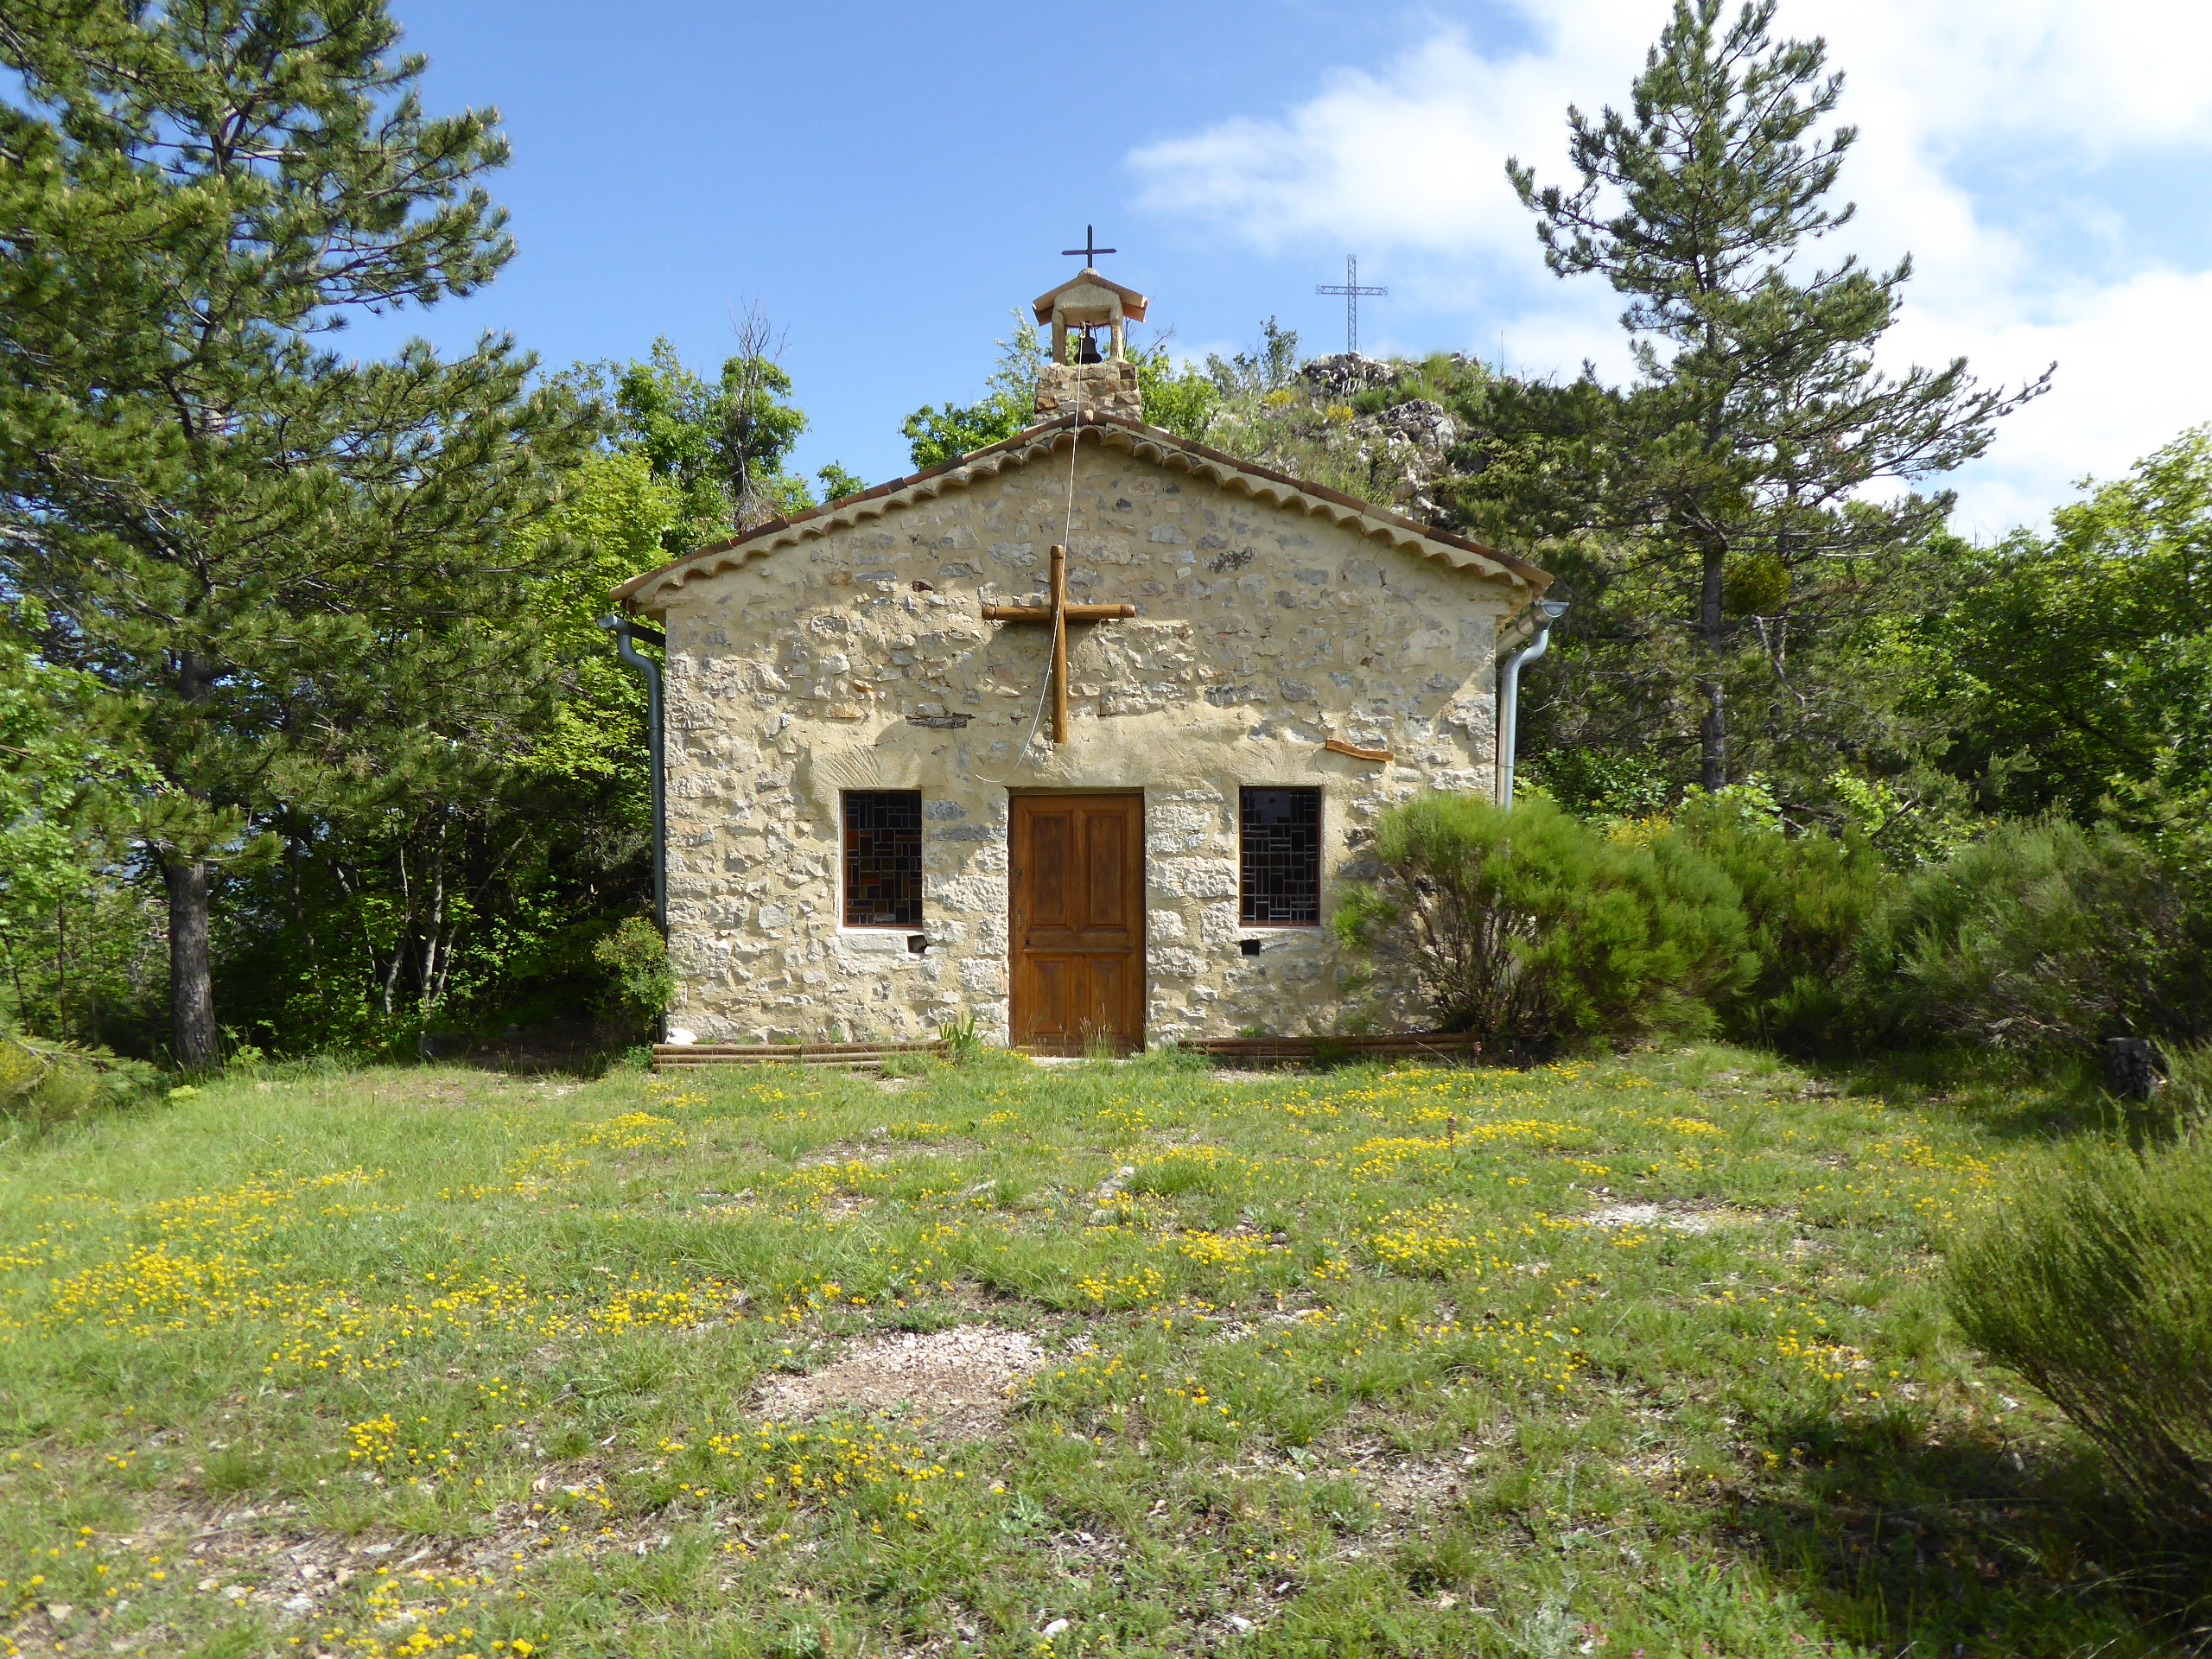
1807, 899
43, 1083
1539, 932
640, 984
2042, 936
2096, 1284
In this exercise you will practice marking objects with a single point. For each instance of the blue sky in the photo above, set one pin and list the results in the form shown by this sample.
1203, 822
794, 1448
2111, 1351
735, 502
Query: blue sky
887, 182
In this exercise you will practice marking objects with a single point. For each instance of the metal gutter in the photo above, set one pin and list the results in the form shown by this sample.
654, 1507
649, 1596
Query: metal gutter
1547, 610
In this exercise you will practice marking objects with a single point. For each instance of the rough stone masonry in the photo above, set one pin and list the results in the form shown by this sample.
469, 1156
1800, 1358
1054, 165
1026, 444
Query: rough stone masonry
847, 651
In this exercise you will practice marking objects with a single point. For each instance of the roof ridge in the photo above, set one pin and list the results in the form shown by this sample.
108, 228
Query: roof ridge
1044, 434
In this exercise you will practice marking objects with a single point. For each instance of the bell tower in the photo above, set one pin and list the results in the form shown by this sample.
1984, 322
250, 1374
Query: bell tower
1080, 375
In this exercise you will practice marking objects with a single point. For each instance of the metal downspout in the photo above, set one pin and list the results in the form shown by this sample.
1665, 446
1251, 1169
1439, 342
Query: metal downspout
1548, 611
625, 633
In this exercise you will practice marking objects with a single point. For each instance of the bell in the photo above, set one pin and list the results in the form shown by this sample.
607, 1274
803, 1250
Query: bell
1088, 352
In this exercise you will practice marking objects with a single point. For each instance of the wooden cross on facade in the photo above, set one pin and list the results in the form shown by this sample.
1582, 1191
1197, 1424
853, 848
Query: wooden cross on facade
1059, 614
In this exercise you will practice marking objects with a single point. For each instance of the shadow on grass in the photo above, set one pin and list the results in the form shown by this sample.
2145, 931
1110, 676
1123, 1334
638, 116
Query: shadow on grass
1976, 1544
2011, 1097
578, 1048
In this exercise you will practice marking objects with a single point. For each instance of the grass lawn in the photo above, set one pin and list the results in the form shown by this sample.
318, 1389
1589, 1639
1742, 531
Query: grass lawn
1645, 1355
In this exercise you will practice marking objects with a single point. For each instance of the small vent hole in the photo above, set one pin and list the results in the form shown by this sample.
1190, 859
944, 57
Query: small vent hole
1250, 947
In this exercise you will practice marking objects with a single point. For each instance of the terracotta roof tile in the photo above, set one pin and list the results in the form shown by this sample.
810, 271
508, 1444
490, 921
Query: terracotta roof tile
1150, 442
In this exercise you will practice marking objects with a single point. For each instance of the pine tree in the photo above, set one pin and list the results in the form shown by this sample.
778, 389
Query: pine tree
1738, 470
289, 565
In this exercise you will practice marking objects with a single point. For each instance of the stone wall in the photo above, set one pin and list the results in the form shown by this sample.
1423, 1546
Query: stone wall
1108, 388
858, 660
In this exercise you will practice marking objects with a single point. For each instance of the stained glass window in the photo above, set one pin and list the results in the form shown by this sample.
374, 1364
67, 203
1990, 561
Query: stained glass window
1281, 843
883, 858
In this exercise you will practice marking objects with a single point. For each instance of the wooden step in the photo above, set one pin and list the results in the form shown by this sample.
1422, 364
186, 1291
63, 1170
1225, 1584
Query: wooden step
1306, 1051
849, 1057
1248, 1051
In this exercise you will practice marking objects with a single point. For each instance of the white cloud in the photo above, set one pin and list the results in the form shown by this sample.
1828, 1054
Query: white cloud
1411, 156
2103, 78
2134, 365
1406, 162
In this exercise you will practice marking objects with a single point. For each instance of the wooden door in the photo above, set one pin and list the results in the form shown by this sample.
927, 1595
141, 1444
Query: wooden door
1078, 882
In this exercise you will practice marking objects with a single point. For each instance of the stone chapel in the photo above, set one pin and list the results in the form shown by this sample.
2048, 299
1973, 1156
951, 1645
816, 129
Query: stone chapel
1080, 735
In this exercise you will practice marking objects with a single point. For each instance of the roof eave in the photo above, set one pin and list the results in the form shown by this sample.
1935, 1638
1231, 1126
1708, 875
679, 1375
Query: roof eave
1132, 303
641, 592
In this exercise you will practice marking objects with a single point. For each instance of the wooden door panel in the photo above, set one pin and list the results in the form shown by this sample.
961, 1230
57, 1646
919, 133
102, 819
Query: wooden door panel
1105, 860
1047, 868
1078, 910
1106, 993
1049, 1001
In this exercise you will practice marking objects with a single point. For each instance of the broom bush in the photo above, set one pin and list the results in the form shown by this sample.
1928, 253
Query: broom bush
1542, 933
2096, 1284
2045, 936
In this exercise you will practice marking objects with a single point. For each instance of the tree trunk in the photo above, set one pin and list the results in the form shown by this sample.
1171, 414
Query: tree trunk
192, 990
1713, 730
23, 1007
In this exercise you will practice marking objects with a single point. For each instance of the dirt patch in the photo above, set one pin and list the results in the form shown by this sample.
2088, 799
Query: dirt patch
269, 1557
1662, 1467
881, 1149
1680, 1221
1406, 1489
957, 1382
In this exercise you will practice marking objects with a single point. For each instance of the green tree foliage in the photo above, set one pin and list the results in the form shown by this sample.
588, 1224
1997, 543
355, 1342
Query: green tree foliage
2070, 664
459, 909
837, 484
937, 435
1176, 396
723, 443
1733, 533
640, 984
44, 1083
1541, 932
79, 946
1272, 365
281, 558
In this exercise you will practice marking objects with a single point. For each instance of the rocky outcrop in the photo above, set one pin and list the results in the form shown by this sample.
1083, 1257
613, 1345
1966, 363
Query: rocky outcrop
1405, 445
1340, 379
1427, 426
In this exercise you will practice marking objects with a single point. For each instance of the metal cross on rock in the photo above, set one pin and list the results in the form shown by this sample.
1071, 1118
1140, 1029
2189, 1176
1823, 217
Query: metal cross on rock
1089, 250
1352, 290
1059, 614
